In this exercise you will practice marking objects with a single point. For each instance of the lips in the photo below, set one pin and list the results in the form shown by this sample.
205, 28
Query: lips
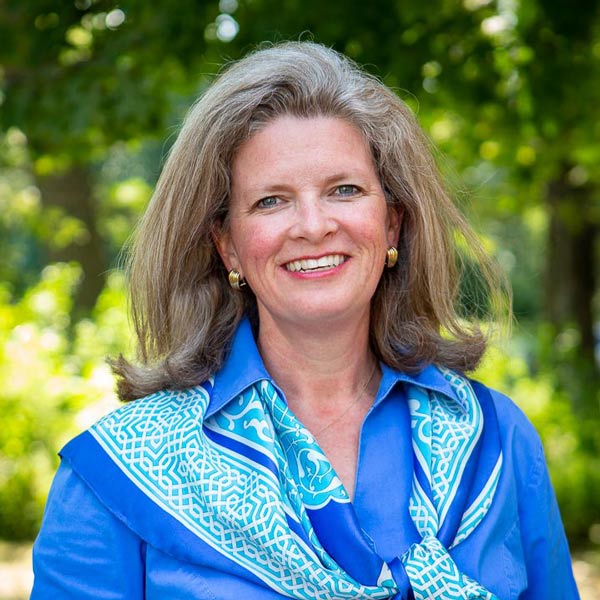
311, 265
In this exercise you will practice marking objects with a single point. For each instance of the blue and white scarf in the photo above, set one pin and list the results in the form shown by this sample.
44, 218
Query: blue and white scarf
252, 483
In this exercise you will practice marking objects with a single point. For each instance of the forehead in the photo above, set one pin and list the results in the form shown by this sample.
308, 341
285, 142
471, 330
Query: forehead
299, 146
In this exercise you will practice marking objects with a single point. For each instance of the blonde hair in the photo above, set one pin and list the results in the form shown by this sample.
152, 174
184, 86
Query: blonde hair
182, 307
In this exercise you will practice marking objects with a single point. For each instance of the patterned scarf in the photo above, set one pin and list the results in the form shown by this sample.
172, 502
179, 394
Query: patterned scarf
265, 495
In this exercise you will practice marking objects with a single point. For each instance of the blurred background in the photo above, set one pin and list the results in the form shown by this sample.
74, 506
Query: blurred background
92, 93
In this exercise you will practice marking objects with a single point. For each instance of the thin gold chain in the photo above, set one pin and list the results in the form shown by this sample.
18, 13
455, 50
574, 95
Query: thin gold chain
351, 405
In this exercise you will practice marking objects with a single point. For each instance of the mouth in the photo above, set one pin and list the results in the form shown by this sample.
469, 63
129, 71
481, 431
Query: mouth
314, 265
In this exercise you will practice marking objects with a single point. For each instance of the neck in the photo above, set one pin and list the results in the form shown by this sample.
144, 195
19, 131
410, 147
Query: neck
320, 370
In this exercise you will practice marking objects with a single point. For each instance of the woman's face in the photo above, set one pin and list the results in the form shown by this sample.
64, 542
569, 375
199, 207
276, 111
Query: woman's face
308, 222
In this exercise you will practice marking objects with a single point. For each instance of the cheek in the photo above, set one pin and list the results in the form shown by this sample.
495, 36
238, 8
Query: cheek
376, 231
255, 246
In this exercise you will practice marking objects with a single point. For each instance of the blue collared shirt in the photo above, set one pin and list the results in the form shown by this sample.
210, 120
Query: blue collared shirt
85, 550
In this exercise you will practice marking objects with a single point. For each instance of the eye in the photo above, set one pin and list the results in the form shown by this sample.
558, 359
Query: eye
346, 190
268, 202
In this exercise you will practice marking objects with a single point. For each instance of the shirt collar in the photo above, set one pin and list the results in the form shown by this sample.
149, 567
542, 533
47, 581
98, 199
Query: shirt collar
430, 378
244, 367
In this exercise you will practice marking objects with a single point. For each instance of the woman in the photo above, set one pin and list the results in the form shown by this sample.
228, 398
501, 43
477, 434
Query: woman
302, 427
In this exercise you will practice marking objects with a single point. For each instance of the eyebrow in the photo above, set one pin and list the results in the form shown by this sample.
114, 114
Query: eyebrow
356, 176
345, 175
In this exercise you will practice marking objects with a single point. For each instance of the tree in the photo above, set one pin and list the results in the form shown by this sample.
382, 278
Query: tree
513, 87
79, 76
509, 91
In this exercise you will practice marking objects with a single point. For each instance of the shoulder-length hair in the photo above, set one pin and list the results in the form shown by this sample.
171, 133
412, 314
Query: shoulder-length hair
183, 309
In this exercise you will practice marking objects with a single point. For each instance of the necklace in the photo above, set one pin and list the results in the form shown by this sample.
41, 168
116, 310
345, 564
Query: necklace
351, 405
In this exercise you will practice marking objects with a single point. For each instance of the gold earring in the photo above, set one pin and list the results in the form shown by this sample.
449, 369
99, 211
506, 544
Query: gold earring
235, 279
391, 257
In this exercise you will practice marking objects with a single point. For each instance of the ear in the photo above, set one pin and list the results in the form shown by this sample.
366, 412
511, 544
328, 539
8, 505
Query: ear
224, 244
395, 216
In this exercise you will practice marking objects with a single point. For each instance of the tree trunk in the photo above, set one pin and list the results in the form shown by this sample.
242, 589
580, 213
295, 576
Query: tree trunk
71, 191
570, 287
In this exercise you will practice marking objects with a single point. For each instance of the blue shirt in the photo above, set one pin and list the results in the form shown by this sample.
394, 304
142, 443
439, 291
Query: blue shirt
87, 550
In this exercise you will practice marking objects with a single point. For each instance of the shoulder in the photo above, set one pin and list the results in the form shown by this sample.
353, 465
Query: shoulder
165, 410
69, 495
133, 458
149, 421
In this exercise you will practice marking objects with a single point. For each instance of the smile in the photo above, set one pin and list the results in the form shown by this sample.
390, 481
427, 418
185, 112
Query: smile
306, 265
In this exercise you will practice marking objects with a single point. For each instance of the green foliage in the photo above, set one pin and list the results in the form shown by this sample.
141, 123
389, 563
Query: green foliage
509, 92
78, 76
120, 206
55, 382
573, 459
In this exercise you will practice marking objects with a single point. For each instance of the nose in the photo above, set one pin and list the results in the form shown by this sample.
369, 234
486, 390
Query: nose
313, 219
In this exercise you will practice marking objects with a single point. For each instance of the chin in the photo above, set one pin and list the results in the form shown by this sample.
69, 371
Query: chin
327, 316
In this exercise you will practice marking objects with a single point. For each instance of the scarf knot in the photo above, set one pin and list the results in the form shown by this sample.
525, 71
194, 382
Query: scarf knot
433, 574
251, 482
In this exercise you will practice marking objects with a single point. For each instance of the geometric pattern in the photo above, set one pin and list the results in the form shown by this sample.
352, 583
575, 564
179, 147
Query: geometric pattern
478, 509
445, 434
249, 509
246, 480
433, 573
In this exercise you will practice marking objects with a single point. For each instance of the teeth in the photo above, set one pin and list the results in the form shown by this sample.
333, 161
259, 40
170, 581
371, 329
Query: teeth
313, 264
